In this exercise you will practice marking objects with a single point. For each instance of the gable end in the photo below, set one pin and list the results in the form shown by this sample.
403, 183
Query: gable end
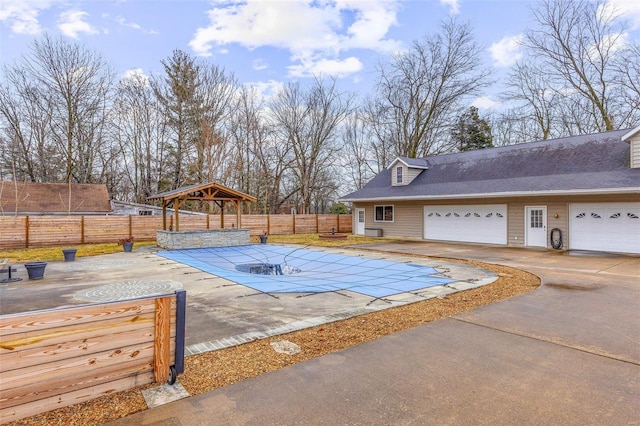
635, 152
633, 137
403, 173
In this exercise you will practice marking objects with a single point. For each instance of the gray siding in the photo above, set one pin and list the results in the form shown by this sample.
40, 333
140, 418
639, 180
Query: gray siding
635, 151
413, 173
408, 174
515, 224
394, 174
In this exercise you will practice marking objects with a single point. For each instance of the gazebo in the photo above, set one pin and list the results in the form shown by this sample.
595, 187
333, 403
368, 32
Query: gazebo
209, 192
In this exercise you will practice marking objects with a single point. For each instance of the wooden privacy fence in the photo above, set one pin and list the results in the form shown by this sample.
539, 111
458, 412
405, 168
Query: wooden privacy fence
58, 357
42, 231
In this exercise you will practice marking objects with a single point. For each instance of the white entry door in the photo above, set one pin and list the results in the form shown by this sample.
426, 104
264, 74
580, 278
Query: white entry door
536, 226
359, 221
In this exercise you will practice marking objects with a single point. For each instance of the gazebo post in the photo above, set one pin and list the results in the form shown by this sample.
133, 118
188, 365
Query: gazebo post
164, 215
238, 203
176, 207
222, 214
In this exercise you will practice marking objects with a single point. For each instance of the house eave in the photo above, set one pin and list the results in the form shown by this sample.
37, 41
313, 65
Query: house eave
519, 194
631, 134
411, 166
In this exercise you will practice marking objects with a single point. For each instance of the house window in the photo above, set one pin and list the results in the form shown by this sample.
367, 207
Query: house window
384, 214
145, 213
399, 174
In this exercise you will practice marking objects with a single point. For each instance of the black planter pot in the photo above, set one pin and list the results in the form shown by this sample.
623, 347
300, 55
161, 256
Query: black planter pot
263, 239
35, 270
69, 254
127, 246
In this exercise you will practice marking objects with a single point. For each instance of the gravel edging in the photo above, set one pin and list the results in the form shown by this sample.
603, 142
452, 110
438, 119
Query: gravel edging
211, 370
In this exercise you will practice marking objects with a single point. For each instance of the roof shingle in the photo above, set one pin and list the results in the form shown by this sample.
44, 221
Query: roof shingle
586, 163
53, 198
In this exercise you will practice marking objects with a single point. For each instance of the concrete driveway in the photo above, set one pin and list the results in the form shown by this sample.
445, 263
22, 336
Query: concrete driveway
567, 353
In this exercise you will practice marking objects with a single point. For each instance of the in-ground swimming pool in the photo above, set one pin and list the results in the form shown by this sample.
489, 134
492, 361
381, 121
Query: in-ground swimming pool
279, 269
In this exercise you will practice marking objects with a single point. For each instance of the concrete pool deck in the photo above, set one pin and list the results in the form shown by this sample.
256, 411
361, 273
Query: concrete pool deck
220, 313
567, 353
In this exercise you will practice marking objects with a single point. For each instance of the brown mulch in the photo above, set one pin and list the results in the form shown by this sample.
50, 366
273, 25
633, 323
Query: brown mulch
213, 370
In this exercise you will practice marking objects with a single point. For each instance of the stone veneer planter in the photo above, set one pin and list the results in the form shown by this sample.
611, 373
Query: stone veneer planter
202, 239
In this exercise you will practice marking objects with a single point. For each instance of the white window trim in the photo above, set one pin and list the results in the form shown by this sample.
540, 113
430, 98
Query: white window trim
399, 174
393, 213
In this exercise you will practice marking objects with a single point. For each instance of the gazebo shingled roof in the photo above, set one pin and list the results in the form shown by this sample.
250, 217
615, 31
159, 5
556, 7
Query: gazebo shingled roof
200, 192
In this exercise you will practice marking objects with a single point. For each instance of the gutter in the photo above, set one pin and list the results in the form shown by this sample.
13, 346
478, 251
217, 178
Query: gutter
607, 191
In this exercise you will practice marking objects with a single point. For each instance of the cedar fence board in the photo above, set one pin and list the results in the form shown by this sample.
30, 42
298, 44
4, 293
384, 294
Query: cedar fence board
53, 358
45, 231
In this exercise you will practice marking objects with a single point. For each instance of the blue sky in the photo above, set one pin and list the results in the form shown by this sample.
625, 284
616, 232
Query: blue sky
267, 42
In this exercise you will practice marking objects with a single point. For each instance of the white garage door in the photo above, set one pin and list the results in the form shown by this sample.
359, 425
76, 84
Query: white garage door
485, 223
613, 227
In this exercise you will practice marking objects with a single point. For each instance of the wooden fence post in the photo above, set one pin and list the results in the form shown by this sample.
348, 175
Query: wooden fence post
26, 232
268, 224
82, 229
130, 227
294, 223
162, 339
317, 224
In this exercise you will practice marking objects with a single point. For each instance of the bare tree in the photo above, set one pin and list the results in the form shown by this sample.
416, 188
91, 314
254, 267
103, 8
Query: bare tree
359, 161
215, 92
576, 42
74, 85
53, 108
508, 128
308, 120
259, 163
28, 152
534, 97
139, 131
628, 78
422, 91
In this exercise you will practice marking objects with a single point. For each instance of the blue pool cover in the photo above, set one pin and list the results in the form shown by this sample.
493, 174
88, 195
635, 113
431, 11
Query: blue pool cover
318, 271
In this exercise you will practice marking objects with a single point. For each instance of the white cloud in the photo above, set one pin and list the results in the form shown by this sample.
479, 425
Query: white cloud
323, 66
136, 75
485, 102
259, 64
506, 51
123, 22
72, 23
629, 9
454, 7
315, 33
266, 89
21, 16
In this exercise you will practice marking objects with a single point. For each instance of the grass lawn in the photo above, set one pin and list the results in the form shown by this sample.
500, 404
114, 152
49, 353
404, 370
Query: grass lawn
54, 253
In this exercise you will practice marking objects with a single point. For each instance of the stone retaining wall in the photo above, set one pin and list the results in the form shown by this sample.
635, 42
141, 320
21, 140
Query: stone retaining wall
202, 239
